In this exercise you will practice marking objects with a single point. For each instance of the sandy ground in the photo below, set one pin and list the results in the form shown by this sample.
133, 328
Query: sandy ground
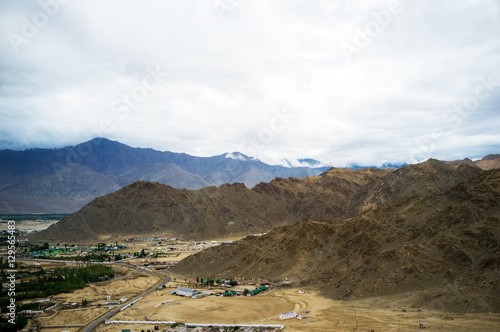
58, 329
319, 313
141, 261
72, 317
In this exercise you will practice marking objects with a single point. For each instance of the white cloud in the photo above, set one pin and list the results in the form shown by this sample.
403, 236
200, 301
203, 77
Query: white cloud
225, 75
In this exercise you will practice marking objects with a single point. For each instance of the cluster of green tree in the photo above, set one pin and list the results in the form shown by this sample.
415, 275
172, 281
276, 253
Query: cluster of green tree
5, 238
211, 282
36, 247
89, 273
87, 258
4, 264
19, 323
142, 253
63, 280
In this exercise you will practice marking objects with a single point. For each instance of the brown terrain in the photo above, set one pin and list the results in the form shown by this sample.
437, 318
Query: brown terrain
364, 244
487, 163
442, 249
147, 208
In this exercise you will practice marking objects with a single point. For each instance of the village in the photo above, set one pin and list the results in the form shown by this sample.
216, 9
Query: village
135, 291
159, 308
140, 273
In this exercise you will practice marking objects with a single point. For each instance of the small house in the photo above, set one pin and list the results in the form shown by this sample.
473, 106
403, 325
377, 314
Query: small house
288, 315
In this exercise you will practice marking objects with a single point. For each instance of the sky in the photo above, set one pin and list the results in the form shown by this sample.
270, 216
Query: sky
362, 82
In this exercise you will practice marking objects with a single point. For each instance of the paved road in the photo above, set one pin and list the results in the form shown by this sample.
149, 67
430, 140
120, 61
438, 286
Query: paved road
93, 324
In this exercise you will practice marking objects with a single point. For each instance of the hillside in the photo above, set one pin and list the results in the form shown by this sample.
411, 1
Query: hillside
145, 208
64, 180
491, 161
442, 250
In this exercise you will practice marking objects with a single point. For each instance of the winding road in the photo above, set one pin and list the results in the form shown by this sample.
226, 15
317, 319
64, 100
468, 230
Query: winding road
93, 324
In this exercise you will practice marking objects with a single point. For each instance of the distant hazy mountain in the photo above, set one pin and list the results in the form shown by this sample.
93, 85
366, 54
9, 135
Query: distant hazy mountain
64, 180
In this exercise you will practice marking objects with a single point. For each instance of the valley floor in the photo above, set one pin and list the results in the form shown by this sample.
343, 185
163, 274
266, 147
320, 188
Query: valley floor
318, 313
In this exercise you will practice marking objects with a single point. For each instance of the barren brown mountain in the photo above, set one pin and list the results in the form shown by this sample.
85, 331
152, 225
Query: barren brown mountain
489, 162
442, 250
146, 208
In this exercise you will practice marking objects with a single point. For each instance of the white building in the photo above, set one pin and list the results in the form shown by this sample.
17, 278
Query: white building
183, 291
288, 315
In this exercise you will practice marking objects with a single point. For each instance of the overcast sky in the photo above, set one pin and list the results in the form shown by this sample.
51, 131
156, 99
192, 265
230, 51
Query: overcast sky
363, 82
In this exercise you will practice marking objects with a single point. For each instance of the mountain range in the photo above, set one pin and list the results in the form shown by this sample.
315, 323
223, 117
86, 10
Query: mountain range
64, 180
438, 249
147, 208
426, 234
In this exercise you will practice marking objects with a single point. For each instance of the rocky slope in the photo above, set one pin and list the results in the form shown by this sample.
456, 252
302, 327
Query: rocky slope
443, 250
145, 208
491, 161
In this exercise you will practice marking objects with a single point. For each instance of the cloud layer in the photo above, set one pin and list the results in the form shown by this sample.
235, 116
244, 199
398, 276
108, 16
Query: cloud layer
366, 83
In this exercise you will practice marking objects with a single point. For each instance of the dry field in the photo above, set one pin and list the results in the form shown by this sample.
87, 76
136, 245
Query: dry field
141, 261
319, 313
127, 284
58, 329
72, 317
